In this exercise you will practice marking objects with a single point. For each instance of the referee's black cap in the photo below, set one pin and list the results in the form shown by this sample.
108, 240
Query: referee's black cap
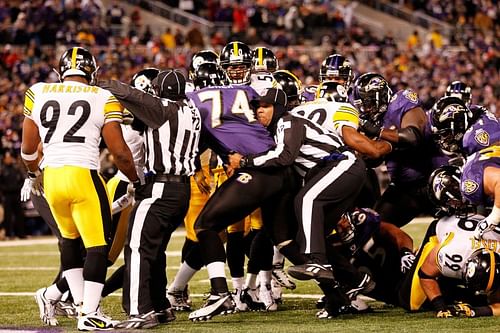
171, 84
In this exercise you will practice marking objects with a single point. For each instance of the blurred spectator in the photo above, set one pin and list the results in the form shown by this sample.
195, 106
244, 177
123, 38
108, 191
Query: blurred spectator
11, 182
436, 39
413, 40
194, 37
168, 39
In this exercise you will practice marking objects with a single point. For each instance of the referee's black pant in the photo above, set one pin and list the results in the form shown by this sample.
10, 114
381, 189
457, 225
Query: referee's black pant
330, 189
152, 222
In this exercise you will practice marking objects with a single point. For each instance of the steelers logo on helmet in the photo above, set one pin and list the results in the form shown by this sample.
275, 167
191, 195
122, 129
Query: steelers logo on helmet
342, 91
470, 270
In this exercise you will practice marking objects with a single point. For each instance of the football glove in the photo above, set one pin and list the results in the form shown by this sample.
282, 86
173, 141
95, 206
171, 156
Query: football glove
463, 309
370, 129
445, 314
122, 202
483, 227
32, 184
407, 260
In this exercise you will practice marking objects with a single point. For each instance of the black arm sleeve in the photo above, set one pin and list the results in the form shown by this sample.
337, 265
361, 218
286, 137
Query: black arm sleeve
409, 137
288, 142
148, 108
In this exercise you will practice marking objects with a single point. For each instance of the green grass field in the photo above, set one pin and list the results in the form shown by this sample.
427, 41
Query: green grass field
25, 267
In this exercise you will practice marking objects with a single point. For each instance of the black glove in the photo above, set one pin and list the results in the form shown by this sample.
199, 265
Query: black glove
370, 128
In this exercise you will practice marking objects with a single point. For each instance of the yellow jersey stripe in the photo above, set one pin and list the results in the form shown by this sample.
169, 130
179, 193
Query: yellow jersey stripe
30, 94
28, 103
492, 271
73, 57
345, 116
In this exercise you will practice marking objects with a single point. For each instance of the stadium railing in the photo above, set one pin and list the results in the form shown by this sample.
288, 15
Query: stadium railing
415, 17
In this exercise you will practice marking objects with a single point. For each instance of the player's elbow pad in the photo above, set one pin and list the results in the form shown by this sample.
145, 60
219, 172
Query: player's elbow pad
409, 137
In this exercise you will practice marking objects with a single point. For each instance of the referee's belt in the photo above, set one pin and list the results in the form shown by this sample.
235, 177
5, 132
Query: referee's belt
167, 178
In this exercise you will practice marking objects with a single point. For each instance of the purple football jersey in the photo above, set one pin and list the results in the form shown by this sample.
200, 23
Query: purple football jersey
483, 133
410, 165
228, 121
471, 184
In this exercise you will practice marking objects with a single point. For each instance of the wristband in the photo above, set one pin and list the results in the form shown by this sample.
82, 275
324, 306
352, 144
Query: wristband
404, 251
34, 174
482, 311
494, 217
136, 183
29, 157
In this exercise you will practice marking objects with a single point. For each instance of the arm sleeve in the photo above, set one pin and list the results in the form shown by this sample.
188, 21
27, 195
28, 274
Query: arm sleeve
29, 101
288, 142
148, 108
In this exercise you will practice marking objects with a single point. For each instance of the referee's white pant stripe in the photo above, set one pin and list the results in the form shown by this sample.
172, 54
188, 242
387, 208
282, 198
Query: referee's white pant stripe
315, 190
135, 242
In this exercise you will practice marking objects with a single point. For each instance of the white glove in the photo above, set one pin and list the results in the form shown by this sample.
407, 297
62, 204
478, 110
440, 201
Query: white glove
122, 202
407, 260
483, 227
31, 185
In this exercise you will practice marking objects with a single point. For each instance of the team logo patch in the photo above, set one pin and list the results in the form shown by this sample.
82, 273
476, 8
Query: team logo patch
411, 96
244, 178
469, 186
482, 137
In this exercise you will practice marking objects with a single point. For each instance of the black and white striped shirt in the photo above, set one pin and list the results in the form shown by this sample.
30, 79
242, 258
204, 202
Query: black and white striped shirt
301, 143
172, 128
172, 147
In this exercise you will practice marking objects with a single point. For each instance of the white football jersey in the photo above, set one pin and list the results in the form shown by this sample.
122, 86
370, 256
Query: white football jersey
190, 87
260, 82
329, 115
457, 243
70, 116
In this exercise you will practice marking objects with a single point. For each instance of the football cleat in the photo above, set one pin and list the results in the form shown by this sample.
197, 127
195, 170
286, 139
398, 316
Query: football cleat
365, 286
280, 276
311, 271
179, 299
46, 307
277, 291
267, 299
222, 303
240, 305
251, 298
67, 309
140, 321
95, 321
166, 316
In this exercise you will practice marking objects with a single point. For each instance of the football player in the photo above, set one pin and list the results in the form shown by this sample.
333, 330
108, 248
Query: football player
76, 194
399, 119
291, 85
264, 64
199, 58
448, 245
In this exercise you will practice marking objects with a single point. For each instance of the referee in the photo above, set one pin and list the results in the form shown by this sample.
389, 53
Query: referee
171, 138
332, 177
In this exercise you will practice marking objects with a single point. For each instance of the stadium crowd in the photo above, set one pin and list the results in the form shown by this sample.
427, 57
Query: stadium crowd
373, 100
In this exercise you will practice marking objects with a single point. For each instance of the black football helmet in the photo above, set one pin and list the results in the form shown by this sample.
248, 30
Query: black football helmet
291, 85
208, 75
450, 118
482, 271
78, 61
332, 91
202, 57
444, 190
460, 90
336, 68
264, 60
356, 227
236, 60
372, 96
143, 80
